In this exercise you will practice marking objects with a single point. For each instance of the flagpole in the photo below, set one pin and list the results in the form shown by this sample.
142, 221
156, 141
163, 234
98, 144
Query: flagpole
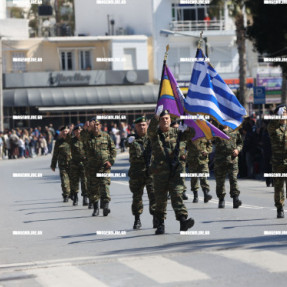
162, 73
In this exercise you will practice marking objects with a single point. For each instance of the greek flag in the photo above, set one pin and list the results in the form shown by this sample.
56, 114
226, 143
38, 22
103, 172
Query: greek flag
208, 94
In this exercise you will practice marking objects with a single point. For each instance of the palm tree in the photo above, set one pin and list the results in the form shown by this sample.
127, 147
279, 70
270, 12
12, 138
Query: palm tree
237, 11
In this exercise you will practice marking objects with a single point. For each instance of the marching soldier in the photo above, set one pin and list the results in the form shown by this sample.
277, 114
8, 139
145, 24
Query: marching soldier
166, 168
101, 154
140, 156
78, 169
226, 162
197, 158
62, 156
277, 130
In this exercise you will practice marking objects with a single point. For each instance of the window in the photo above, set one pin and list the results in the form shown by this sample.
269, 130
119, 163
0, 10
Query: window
130, 59
85, 60
17, 64
67, 60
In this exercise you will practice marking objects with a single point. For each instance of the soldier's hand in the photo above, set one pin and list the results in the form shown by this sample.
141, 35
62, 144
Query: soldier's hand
159, 110
53, 169
107, 164
235, 152
182, 128
131, 139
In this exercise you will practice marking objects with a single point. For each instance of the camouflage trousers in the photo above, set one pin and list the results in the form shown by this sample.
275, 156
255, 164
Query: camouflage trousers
65, 179
137, 185
279, 196
99, 187
164, 183
78, 173
196, 167
221, 169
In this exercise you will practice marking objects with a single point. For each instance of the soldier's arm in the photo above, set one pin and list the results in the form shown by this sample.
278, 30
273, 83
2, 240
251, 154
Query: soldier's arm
113, 151
209, 146
55, 155
272, 126
239, 142
152, 129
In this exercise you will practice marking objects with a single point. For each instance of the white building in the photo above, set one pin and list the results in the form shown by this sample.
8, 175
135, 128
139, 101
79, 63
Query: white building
12, 28
169, 22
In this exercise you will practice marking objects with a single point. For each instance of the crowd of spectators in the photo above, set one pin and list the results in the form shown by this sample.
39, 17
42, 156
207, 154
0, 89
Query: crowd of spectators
254, 159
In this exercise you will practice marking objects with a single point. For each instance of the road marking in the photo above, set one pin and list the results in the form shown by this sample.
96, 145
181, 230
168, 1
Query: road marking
268, 260
65, 276
163, 270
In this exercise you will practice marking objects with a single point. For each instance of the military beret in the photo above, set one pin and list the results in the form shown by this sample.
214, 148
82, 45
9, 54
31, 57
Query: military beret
93, 119
77, 127
140, 120
278, 107
61, 128
164, 112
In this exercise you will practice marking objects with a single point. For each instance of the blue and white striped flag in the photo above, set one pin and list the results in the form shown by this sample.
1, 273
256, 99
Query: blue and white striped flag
209, 94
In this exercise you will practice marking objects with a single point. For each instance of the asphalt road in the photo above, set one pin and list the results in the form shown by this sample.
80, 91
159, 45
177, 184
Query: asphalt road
226, 247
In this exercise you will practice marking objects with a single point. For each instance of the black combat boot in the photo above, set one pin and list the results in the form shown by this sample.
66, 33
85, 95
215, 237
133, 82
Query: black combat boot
75, 199
106, 210
85, 200
184, 196
160, 227
154, 222
137, 223
280, 212
221, 203
207, 196
102, 204
65, 198
96, 209
185, 224
195, 197
90, 204
236, 202
71, 196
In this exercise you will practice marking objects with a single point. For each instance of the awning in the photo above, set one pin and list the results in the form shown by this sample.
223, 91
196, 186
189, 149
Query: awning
81, 96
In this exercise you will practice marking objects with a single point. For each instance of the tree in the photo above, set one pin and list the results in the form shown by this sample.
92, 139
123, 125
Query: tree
236, 10
268, 31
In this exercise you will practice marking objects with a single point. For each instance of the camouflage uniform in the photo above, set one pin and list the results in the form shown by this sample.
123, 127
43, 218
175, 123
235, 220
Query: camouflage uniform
78, 168
62, 155
198, 163
100, 149
225, 163
164, 178
140, 150
278, 136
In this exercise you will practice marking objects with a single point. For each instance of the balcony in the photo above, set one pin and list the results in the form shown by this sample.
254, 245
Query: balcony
199, 25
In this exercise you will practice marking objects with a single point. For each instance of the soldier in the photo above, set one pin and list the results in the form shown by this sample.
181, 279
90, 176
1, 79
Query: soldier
226, 162
78, 168
277, 130
101, 154
62, 155
166, 168
140, 156
197, 158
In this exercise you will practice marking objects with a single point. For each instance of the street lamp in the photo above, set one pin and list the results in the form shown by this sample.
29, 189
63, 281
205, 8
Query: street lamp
168, 32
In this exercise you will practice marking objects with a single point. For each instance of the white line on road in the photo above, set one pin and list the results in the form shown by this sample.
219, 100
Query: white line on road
163, 270
268, 260
65, 276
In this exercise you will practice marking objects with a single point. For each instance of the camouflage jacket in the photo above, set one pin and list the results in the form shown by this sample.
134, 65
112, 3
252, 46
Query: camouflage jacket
224, 148
140, 155
78, 150
196, 148
100, 149
159, 160
62, 152
278, 137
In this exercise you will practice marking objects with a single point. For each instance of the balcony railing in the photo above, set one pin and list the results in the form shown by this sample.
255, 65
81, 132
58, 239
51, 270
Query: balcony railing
212, 25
